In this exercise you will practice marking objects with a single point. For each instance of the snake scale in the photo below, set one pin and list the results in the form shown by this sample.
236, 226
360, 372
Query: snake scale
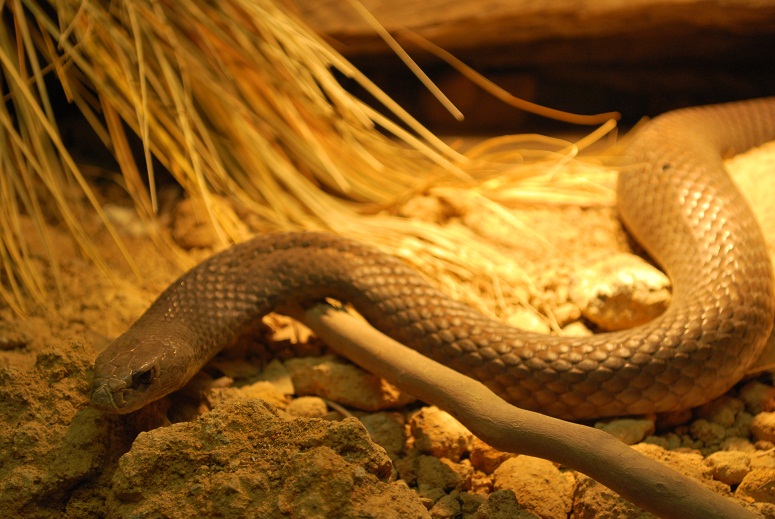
679, 203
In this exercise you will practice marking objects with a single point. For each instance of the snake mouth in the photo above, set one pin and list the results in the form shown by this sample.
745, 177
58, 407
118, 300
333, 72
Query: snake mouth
102, 398
106, 398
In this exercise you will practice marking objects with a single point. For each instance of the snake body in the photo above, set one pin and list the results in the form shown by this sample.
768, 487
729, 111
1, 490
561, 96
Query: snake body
678, 202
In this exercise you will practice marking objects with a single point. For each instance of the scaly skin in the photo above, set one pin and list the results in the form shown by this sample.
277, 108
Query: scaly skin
679, 204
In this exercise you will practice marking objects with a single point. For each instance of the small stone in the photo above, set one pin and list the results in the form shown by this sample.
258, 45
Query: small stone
729, 467
576, 329
758, 485
470, 503
487, 458
763, 459
628, 430
387, 431
763, 426
667, 441
527, 320
758, 397
503, 504
340, 381
263, 391
307, 407
539, 485
735, 443
438, 433
440, 473
566, 314
722, 411
706, 432
620, 292
448, 507
277, 374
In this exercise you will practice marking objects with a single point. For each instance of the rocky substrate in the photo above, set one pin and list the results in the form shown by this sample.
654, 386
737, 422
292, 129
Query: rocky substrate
261, 453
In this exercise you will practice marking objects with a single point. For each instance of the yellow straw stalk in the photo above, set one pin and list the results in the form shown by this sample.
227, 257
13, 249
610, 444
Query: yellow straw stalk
237, 98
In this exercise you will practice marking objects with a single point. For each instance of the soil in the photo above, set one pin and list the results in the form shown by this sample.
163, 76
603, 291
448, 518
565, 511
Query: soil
241, 442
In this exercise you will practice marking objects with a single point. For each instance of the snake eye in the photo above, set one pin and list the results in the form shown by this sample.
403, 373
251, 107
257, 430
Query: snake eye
143, 378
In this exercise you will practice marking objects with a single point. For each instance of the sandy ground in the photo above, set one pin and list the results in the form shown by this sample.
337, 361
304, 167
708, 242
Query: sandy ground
247, 458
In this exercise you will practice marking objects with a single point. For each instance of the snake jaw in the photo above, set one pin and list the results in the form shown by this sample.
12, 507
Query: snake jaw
103, 398
123, 395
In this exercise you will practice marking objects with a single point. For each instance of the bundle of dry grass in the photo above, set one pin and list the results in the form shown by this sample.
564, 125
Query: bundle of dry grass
236, 98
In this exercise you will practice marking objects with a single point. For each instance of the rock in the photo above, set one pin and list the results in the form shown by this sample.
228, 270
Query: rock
592, 499
691, 464
436, 432
620, 292
387, 431
763, 426
722, 410
470, 503
448, 507
243, 460
277, 374
763, 459
345, 383
307, 407
528, 320
259, 390
440, 474
758, 485
538, 484
729, 467
51, 443
708, 433
667, 441
758, 397
576, 329
486, 458
628, 430
502, 504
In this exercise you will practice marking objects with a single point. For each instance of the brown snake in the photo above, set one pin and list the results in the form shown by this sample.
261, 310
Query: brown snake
679, 204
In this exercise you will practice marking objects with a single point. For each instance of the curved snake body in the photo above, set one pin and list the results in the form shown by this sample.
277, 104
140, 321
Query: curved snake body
679, 204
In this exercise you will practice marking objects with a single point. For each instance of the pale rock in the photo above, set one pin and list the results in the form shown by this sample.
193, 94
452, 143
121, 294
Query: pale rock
729, 467
758, 485
763, 426
528, 320
277, 374
332, 378
722, 410
758, 397
440, 473
538, 484
503, 504
448, 507
576, 329
438, 433
708, 433
307, 407
620, 292
487, 458
387, 431
628, 430
763, 459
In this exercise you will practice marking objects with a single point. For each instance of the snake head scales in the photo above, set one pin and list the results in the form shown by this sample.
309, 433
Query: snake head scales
134, 370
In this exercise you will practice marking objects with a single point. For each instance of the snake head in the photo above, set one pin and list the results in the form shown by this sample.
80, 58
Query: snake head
133, 372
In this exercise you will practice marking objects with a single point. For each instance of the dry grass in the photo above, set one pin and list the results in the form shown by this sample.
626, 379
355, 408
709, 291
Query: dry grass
236, 98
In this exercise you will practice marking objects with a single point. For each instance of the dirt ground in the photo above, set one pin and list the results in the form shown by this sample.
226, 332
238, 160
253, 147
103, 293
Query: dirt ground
260, 452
